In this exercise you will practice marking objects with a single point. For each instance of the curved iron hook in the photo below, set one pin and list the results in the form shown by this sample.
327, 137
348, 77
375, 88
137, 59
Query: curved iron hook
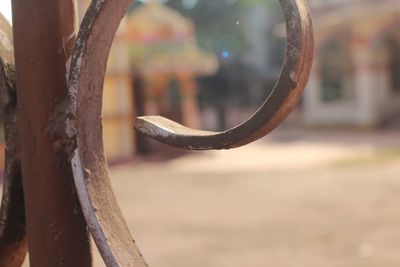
83, 122
284, 97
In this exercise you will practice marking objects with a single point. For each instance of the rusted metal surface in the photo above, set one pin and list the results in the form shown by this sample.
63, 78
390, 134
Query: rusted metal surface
83, 140
44, 35
13, 242
284, 97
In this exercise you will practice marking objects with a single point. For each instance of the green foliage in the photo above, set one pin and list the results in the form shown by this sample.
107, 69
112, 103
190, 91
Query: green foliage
219, 27
217, 23
253, 2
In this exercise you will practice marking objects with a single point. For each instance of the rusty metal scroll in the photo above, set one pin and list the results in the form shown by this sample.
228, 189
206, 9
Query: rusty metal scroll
13, 242
83, 120
284, 97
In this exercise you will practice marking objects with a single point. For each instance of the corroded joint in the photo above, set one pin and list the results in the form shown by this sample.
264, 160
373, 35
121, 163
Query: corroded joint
62, 131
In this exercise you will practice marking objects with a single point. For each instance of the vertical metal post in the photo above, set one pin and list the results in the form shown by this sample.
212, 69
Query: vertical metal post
44, 35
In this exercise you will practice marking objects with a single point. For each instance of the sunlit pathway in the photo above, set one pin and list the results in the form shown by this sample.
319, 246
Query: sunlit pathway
269, 204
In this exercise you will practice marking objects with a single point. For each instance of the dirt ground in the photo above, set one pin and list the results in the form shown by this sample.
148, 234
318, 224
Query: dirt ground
294, 199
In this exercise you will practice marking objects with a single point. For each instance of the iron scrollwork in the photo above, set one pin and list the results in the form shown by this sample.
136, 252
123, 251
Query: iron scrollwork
83, 133
84, 119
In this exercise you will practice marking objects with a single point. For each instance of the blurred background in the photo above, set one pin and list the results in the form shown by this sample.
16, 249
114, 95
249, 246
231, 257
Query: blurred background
321, 190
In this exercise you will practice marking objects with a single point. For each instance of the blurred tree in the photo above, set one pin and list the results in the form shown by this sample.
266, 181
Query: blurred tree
218, 22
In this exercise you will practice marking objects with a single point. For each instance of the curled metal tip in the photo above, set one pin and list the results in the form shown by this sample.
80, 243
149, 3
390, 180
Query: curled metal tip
284, 97
166, 127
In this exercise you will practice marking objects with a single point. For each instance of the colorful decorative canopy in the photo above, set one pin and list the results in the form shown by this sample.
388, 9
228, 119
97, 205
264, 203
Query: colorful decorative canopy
162, 41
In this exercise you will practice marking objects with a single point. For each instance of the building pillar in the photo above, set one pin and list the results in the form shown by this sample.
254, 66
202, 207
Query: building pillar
312, 94
152, 95
189, 105
383, 90
366, 101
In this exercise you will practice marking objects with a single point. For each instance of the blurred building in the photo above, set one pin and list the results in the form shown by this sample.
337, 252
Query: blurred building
155, 62
163, 52
356, 74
